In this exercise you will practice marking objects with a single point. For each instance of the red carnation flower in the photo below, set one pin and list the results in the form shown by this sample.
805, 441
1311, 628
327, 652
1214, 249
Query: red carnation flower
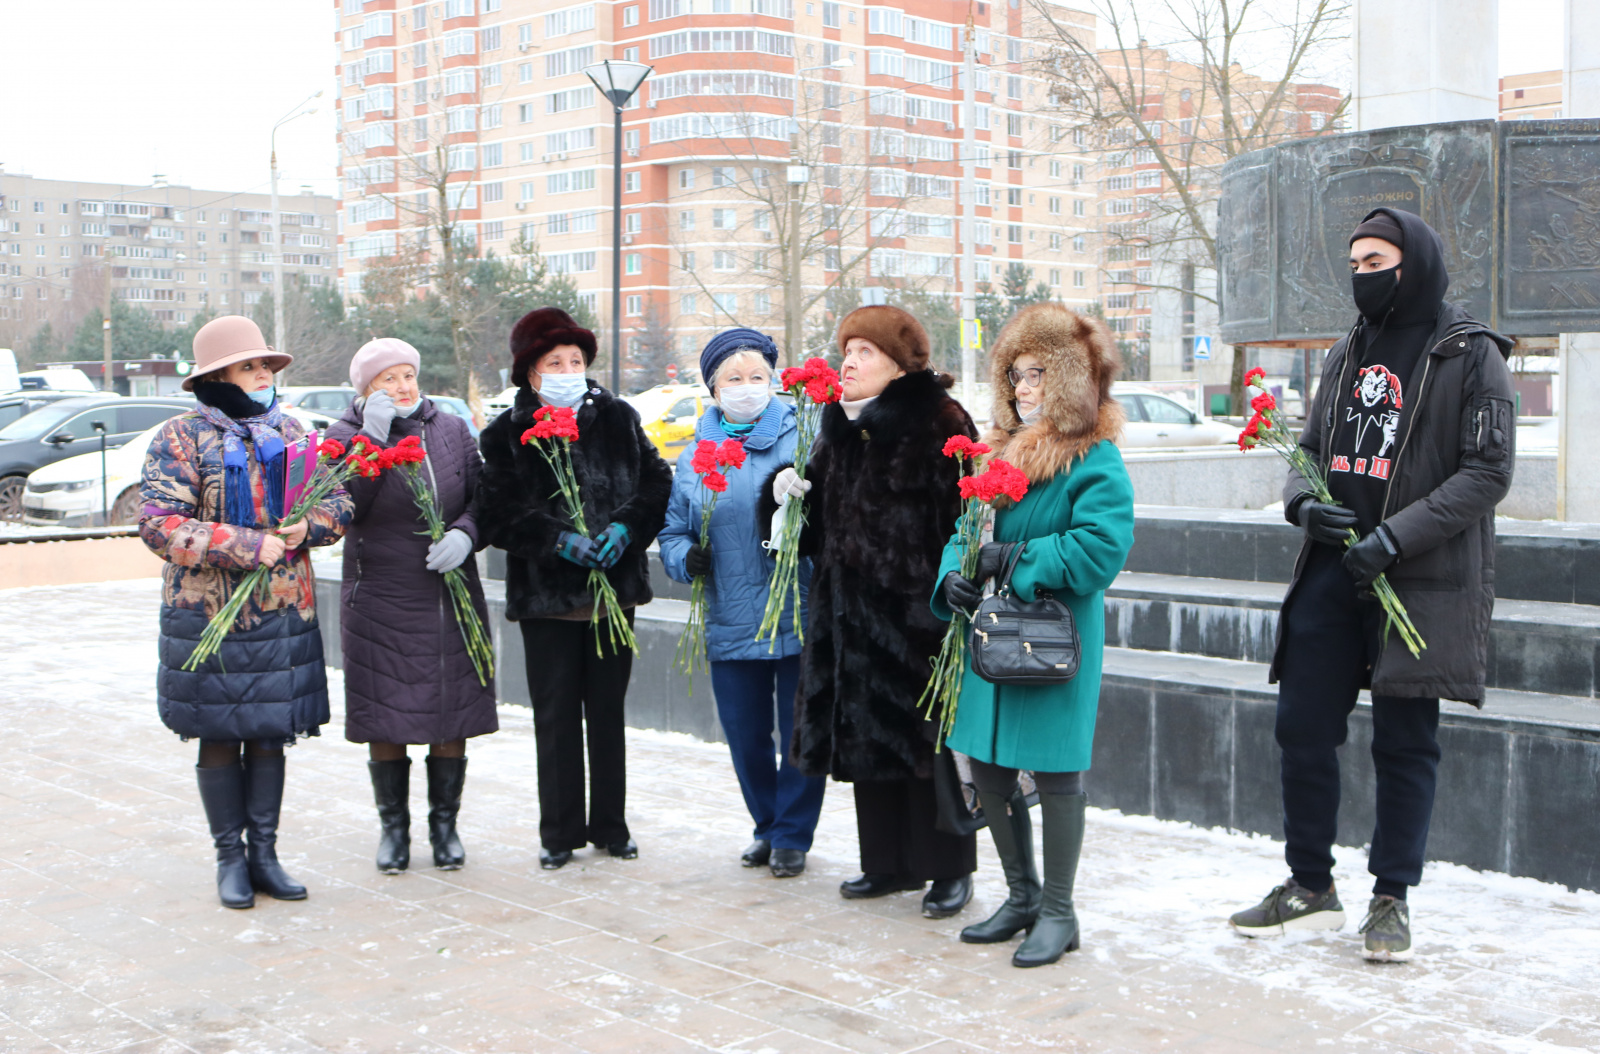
715, 482
1263, 402
1253, 375
731, 454
408, 441
705, 457
331, 448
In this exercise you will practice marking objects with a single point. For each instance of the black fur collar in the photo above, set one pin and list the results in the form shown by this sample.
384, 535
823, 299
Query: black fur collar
227, 397
908, 405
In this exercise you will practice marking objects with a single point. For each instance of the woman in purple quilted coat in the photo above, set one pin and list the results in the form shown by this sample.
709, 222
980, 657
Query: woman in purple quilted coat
407, 675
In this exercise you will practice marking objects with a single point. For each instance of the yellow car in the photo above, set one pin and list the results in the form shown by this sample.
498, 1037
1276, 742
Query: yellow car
669, 413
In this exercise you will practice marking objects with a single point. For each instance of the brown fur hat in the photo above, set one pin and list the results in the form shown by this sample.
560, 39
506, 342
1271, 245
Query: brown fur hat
896, 333
1080, 361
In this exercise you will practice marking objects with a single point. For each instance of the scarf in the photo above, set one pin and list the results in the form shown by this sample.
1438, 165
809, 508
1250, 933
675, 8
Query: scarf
263, 431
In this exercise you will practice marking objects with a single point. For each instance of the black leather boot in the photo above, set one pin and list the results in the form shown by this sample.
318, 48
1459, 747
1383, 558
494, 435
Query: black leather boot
867, 886
1056, 931
222, 794
946, 897
263, 796
391, 789
1012, 830
445, 779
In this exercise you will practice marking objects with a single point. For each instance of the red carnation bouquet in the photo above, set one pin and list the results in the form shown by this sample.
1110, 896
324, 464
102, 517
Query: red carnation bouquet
813, 386
710, 458
408, 454
980, 493
334, 466
1267, 428
555, 429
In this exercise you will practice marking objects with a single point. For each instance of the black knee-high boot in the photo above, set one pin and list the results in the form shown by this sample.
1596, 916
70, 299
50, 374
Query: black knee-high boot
445, 779
263, 795
391, 789
222, 794
1056, 931
1012, 829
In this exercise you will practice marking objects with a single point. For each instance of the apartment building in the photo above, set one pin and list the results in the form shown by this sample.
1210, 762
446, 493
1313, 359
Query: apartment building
863, 102
1157, 279
1531, 96
173, 250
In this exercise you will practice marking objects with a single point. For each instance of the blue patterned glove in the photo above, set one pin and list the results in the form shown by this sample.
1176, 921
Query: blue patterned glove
609, 545
575, 548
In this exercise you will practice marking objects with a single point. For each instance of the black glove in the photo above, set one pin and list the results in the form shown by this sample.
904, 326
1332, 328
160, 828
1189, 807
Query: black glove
1371, 557
960, 592
992, 559
1328, 524
697, 561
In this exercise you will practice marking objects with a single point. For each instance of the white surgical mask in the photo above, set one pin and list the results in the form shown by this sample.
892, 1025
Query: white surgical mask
563, 389
743, 403
407, 410
1032, 415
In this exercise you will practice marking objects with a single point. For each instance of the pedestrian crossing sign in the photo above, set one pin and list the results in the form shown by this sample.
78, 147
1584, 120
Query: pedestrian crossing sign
1202, 347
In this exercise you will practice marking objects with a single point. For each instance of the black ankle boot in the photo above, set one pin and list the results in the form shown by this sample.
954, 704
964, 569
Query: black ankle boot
1056, 931
391, 789
445, 778
222, 795
1012, 830
263, 796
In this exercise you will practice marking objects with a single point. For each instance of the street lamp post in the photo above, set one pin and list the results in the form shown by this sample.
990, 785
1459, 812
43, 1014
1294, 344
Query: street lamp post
797, 175
617, 81
278, 340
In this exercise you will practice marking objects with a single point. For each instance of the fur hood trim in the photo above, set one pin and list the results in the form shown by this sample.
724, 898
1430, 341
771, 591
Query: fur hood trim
1081, 361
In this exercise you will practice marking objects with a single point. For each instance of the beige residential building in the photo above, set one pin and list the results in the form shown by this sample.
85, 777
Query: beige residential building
174, 250
1531, 96
872, 95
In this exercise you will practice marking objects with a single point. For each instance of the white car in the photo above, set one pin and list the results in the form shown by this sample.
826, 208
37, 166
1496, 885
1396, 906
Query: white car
1156, 420
68, 492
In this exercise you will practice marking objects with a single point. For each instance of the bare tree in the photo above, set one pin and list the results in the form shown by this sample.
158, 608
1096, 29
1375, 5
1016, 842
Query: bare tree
1118, 96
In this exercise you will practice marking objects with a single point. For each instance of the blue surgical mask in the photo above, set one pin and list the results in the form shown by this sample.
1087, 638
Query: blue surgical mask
407, 411
743, 403
563, 389
265, 397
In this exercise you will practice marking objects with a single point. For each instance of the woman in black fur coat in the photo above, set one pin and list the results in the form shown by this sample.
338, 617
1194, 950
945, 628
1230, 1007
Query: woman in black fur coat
882, 503
625, 487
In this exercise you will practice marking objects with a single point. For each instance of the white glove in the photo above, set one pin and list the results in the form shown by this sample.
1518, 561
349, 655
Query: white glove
377, 415
449, 552
788, 484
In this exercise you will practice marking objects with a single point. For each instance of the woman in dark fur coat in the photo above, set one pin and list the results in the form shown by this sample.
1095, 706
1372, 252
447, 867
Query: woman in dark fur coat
883, 499
625, 487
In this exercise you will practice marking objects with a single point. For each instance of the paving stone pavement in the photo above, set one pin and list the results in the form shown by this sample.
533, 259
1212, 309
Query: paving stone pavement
111, 937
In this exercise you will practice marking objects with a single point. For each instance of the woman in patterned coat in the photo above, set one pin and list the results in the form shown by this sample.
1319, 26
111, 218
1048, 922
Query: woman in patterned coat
213, 497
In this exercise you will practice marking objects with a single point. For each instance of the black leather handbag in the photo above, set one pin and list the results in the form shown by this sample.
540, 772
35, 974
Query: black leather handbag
1023, 642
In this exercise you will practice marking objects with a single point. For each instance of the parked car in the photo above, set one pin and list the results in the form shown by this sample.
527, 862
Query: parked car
21, 403
69, 493
451, 405
329, 401
58, 379
66, 427
1156, 420
669, 413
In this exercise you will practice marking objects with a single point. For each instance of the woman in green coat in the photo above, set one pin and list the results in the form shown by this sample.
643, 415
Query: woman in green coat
1056, 421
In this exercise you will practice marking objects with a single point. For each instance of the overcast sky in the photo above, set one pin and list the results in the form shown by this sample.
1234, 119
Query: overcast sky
117, 90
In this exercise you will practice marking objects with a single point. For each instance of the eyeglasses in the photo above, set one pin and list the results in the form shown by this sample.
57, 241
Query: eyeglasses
1033, 376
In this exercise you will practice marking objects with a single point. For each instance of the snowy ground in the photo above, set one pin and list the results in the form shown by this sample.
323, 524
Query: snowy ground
111, 937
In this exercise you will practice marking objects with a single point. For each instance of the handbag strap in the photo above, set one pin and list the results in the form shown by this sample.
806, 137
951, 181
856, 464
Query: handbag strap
1004, 582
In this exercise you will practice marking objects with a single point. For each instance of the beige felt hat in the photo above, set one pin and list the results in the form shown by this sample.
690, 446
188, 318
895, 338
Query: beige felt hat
229, 339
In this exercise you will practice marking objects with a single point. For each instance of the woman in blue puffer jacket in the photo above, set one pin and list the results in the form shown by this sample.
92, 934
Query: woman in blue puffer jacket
752, 681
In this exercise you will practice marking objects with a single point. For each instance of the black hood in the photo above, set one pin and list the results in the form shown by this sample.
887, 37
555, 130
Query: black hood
1423, 277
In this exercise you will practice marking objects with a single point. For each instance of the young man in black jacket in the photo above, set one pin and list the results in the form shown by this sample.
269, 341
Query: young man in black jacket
1414, 429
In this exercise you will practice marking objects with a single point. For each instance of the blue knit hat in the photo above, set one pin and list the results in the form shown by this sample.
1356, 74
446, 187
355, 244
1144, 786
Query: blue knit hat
731, 341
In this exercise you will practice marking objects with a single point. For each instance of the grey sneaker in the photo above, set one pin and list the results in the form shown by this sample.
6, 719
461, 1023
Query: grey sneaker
1388, 930
1290, 906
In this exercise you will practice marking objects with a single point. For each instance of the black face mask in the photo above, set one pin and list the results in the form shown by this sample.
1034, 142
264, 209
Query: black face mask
1374, 292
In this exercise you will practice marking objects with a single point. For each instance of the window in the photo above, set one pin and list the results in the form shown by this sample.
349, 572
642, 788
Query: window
724, 219
830, 15
688, 305
493, 192
632, 263
758, 260
635, 304
761, 303
459, 8
570, 181
1014, 233
571, 99
686, 261
456, 42
1054, 206
493, 155
631, 182
630, 223
419, 56
377, 25
630, 17
722, 176
1077, 207
660, 9
461, 119
1055, 242
492, 116
728, 303
572, 60
527, 192
1079, 244
762, 220
524, 115
380, 61
1013, 158
686, 178
1077, 279
686, 220
1014, 124
491, 38
724, 260
570, 20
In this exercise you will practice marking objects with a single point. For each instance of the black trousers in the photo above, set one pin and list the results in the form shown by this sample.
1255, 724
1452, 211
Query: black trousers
576, 691
894, 822
1330, 637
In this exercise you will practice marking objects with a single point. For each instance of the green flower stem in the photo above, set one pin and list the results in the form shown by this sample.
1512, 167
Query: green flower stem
784, 591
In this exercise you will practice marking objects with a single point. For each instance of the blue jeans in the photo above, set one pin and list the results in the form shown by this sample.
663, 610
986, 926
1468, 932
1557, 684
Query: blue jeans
784, 804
